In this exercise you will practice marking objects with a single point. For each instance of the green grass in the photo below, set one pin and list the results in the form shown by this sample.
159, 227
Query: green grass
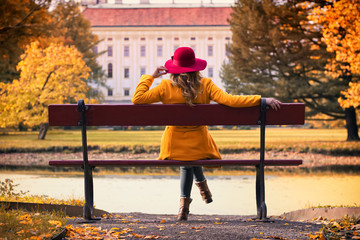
303, 140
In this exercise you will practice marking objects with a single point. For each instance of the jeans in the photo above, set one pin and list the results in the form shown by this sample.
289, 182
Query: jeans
187, 177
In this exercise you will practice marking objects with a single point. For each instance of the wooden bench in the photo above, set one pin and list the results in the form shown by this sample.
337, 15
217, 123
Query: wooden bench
174, 114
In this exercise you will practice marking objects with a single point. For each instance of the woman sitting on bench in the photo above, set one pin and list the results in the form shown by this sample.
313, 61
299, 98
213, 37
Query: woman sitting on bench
189, 143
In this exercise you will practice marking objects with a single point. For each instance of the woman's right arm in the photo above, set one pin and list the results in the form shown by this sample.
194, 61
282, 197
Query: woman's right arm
219, 96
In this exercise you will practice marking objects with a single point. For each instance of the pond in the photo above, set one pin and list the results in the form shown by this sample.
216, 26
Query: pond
231, 194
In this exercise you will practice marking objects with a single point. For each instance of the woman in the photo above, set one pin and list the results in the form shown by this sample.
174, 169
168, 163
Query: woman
189, 143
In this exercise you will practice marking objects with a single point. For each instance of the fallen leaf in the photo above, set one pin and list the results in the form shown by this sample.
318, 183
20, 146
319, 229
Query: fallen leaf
137, 235
312, 236
202, 227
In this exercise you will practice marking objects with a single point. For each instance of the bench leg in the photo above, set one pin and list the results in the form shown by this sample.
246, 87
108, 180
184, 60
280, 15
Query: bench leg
260, 193
89, 194
88, 210
260, 181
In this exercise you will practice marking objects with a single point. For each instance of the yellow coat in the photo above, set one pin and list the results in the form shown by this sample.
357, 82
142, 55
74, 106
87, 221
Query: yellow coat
188, 143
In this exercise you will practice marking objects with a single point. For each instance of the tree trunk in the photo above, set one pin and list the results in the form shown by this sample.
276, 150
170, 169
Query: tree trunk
351, 126
43, 130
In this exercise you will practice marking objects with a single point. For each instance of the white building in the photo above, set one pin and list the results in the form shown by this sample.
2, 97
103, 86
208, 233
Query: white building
138, 38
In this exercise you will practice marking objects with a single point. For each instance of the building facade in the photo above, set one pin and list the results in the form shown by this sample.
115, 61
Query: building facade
137, 39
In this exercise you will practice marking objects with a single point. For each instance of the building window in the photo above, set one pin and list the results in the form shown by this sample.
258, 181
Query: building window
110, 92
227, 38
142, 51
126, 51
95, 50
126, 72
126, 39
192, 38
210, 72
109, 39
210, 50
159, 51
110, 51
142, 39
176, 38
126, 92
110, 70
210, 38
159, 38
142, 70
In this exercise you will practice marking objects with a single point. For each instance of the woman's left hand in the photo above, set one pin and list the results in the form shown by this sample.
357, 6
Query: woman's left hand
273, 103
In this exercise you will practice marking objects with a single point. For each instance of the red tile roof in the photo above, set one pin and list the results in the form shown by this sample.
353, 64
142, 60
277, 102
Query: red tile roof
132, 17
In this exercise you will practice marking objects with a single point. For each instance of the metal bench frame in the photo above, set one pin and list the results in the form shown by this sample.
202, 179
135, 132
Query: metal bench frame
101, 116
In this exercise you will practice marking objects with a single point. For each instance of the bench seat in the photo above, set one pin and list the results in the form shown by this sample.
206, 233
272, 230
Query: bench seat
212, 162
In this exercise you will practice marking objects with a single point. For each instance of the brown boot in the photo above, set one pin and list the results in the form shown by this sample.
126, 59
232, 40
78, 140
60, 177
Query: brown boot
204, 191
184, 209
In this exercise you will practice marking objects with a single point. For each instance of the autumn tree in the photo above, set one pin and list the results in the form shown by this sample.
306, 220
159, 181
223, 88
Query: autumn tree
340, 22
276, 51
21, 22
76, 30
54, 75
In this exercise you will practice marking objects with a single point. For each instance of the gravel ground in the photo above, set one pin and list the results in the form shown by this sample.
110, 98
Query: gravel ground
147, 226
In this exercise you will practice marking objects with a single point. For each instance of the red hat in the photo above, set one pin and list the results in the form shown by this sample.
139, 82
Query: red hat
184, 61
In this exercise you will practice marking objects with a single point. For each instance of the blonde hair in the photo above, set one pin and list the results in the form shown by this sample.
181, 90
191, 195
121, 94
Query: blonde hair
190, 85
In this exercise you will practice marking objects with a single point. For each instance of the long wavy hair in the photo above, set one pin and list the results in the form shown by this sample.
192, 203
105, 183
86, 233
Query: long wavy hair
190, 85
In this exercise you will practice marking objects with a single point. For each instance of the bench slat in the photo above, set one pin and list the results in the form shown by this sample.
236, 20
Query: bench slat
173, 114
212, 162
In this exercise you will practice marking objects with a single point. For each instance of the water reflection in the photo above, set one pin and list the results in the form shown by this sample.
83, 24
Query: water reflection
231, 194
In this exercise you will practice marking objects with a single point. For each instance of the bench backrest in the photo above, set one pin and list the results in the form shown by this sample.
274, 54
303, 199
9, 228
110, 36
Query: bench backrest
173, 114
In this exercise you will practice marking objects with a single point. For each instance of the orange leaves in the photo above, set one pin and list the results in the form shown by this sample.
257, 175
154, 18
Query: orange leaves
341, 32
198, 229
17, 224
90, 232
56, 223
87, 231
351, 96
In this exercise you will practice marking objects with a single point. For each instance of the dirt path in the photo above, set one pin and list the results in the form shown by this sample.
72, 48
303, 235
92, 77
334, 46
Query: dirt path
150, 226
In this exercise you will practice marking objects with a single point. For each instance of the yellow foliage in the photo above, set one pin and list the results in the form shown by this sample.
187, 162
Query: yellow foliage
51, 75
341, 32
352, 96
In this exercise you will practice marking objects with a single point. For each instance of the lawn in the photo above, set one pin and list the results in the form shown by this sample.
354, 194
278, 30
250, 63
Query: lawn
284, 139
